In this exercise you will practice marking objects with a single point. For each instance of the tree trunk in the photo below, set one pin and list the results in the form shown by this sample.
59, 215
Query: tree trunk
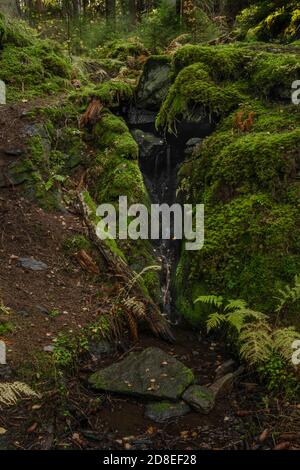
9, 7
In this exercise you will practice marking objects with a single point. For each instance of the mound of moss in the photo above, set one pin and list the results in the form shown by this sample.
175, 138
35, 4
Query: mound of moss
30, 66
210, 82
115, 172
271, 20
122, 49
249, 182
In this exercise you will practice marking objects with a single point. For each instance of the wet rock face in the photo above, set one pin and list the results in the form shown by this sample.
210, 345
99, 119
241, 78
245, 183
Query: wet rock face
154, 84
152, 151
165, 410
151, 373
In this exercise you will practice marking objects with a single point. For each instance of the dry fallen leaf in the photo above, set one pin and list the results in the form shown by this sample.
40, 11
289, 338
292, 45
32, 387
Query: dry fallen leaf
282, 446
2, 431
264, 435
32, 428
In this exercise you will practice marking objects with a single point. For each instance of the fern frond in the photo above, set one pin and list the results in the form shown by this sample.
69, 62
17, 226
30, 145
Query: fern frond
236, 319
215, 300
256, 342
283, 339
236, 304
135, 306
11, 392
215, 321
289, 294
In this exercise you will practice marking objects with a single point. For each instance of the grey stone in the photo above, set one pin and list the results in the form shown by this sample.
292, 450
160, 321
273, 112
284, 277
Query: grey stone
33, 264
148, 143
5, 372
49, 348
151, 373
164, 410
154, 83
14, 152
191, 144
225, 368
222, 386
14, 174
200, 398
2, 353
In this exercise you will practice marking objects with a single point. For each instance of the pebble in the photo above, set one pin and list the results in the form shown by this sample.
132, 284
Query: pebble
32, 264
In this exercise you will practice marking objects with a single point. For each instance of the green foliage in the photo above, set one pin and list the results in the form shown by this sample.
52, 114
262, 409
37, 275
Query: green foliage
265, 347
159, 26
121, 49
270, 20
29, 65
289, 295
194, 92
6, 327
74, 244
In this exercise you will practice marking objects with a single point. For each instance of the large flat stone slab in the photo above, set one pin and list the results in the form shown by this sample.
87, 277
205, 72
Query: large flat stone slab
151, 373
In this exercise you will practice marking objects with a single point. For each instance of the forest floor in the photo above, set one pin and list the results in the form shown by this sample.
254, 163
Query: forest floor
65, 298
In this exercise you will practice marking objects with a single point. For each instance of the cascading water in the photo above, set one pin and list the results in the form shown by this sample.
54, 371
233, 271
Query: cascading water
160, 159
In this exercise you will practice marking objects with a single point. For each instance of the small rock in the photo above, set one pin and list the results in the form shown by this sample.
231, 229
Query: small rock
225, 368
222, 386
32, 264
14, 152
23, 313
49, 348
2, 353
5, 372
200, 398
165, 410
42, 309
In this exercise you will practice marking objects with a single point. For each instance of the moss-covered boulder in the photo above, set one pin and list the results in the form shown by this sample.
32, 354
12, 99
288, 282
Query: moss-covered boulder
30, 66
248, 181
122, 49
270, 20
151, 373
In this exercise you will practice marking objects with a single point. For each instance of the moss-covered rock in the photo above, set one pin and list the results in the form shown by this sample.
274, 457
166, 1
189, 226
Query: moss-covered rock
31, 66
195, 96
271, 20
248, 181
121, 49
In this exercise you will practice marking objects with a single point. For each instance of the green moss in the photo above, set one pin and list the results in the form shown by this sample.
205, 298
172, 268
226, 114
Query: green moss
29, 65
195, 93
121, 49
270, 20
111, 93
111, 132
273, 74
74, 244
248, 182
222, 62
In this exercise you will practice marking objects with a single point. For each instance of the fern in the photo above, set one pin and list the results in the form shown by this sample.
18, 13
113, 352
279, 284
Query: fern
283, 339
289, 294
214, 300
11, 392
215, 321
256, 342
236, 304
